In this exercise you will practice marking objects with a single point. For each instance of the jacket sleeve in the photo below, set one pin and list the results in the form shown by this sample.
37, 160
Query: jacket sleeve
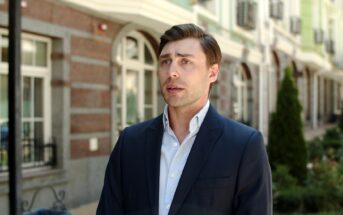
111, 201
254, 190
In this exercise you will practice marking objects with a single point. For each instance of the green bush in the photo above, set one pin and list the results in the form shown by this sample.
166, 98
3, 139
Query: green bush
287, 195
332, 134
322, 188
315, 199
289, 200
315, 150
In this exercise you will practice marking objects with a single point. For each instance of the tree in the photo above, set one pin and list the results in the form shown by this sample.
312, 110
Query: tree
286, 142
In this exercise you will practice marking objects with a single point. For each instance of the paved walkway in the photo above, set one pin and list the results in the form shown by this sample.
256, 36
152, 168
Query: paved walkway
312, 133
88, 209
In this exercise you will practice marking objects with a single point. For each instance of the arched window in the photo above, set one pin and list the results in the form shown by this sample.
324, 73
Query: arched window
136, 79
241, 95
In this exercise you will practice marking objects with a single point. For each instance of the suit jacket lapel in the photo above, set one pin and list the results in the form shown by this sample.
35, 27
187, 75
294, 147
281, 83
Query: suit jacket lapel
208, 134
153, 153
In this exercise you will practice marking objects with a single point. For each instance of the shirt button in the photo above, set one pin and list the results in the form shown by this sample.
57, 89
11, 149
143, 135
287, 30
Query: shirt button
168, 206
172, 175
175, 144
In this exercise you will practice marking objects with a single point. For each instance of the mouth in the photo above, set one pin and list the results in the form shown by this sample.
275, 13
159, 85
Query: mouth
174, 89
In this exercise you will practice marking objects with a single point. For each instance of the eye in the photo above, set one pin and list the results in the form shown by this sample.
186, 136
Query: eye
185, 61
165, 61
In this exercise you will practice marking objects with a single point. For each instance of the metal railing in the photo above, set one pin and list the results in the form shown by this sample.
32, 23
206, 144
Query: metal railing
34, 154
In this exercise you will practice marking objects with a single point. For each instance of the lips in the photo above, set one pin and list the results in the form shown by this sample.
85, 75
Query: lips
174, 89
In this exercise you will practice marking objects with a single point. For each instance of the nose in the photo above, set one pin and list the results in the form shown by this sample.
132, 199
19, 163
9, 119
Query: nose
173, 71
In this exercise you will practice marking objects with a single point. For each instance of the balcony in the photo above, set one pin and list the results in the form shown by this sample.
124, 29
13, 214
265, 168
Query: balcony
34, 154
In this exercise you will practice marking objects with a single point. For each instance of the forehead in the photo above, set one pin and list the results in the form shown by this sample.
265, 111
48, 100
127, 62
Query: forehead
184, 46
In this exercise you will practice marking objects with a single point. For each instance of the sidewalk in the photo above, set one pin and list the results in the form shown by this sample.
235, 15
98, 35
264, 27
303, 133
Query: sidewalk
88, 209
310, 133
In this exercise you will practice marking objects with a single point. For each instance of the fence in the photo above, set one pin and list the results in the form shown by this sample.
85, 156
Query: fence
35, 154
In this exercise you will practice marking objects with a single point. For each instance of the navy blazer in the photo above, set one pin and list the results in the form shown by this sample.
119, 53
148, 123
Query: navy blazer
227, 172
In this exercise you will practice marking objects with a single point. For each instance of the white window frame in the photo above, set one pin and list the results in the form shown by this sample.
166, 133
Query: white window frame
241, 86
140, 66
37, 72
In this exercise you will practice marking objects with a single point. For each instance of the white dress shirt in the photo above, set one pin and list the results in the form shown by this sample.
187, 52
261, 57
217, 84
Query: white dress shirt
174, 156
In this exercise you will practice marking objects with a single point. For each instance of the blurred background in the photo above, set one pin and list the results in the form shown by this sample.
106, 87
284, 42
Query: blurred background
89, 70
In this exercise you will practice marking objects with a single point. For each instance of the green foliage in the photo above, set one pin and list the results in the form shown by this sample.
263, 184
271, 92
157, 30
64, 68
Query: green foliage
286, 142
287, 195
340, 122
329, 147
289, 200
323, 188
315, 150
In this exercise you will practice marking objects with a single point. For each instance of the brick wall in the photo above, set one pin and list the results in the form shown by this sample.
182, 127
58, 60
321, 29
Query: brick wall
90, 79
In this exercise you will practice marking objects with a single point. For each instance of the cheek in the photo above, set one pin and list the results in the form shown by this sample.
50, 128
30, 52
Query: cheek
161, 77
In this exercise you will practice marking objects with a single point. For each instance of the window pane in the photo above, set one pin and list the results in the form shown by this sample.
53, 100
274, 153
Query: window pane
41, 54
119, 85
4, 96
27, 97
3, 135
38, 133
147, 56
4, 48
26, 130
131, 48
148, 86
118, 98
148, 113
119, 56
131, 97
38, 92
118, 116
38, 141
28, 51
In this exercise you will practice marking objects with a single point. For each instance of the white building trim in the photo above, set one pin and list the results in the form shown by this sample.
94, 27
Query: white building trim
160, 14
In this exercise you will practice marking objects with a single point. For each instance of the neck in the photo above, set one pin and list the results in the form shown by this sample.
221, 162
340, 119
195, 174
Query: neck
180, 117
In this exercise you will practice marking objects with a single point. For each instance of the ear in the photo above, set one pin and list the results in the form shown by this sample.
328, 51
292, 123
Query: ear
214, 71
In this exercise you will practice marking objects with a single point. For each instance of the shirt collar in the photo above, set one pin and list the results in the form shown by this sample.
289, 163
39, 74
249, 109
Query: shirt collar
195, 122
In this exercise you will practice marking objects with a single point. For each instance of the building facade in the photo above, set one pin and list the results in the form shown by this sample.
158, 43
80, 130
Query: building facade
89, 70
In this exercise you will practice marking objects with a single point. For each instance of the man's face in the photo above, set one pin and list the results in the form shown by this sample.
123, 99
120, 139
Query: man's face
184, 74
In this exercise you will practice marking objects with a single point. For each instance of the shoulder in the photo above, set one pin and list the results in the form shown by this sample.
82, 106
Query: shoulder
149, 124
229, 125
238, 132
140, 129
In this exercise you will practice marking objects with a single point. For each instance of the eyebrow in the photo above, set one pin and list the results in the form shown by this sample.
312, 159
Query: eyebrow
177, 54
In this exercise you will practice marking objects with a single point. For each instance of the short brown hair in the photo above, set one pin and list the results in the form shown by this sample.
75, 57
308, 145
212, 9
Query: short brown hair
207, 42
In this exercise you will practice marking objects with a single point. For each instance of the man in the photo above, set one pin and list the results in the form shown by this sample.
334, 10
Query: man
189, 160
